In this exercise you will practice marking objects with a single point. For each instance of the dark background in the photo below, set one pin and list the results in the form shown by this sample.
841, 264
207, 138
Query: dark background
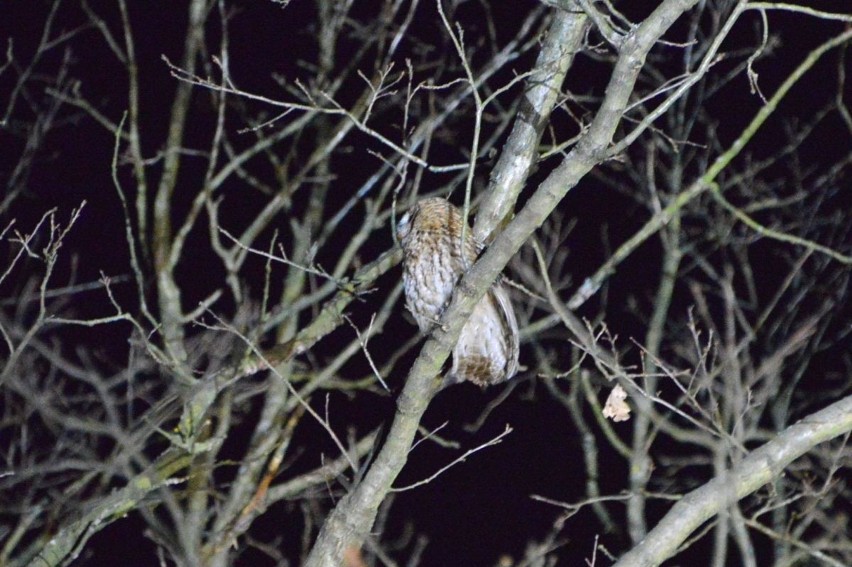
478, 510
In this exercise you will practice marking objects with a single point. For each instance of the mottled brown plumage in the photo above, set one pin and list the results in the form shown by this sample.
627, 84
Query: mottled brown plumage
434, 260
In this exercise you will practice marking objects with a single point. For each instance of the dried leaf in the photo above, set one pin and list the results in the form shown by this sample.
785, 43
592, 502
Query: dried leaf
616, 408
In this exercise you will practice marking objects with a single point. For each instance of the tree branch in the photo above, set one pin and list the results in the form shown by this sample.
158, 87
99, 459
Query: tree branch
755, 470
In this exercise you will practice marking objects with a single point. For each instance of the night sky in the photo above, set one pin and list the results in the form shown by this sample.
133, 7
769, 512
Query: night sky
479, 510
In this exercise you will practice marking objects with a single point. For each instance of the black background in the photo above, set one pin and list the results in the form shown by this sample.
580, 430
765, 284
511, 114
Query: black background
481, 509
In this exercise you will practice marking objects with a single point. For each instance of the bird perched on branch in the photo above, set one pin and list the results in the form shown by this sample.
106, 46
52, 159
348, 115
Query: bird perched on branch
434, 260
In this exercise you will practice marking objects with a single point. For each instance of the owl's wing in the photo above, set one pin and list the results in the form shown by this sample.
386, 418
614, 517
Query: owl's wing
507, 313
487, 349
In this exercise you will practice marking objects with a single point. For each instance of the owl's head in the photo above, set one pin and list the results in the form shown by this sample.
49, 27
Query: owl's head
434, 214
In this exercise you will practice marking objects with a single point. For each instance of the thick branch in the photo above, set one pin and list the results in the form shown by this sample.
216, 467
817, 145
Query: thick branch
756, 470
519, 155
71, 538
165, 257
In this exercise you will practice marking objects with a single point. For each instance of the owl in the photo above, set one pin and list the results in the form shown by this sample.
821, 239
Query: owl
434, 259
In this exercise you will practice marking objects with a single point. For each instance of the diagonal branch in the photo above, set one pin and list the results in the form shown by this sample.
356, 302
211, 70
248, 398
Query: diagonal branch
754, 471
519, 155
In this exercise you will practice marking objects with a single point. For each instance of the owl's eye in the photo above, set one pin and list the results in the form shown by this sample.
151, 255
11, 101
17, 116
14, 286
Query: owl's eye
403, 226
